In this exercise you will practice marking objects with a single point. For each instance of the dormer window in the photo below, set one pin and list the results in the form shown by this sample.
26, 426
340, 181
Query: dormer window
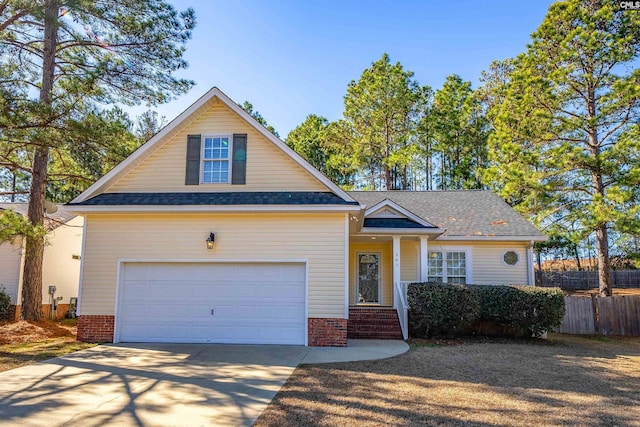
215, 159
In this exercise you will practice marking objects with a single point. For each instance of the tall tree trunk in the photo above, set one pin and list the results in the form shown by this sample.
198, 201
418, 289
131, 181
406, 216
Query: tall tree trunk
427, 172
604, 263
443, 173
405, 180
372, 171
602, 239
34, 251
388, 180
576, 254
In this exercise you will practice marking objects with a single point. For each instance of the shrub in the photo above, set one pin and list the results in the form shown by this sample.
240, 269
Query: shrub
5, 301
440, 310
447, 310
526, 310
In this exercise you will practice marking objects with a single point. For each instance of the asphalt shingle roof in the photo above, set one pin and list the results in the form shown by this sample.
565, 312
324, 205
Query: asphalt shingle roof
464, 213
232, 198
52, 221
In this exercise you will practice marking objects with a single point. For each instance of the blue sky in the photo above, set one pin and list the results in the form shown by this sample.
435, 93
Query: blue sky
294, 58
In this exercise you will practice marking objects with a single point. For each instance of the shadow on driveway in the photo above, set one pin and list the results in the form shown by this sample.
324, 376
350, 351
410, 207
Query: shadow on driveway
145, 385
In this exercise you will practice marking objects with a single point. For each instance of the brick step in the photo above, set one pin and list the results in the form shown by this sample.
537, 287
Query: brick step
373, 323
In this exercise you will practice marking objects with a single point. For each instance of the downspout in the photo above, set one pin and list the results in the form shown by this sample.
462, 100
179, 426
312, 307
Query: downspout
530, 273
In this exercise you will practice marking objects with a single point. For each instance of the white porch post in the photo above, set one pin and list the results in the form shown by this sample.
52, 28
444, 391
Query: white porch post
424, 268
396, 260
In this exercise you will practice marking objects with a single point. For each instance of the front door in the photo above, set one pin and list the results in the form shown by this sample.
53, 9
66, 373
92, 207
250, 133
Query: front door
368, 278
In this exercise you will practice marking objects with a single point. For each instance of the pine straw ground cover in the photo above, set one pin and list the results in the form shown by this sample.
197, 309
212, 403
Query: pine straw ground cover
23, 343
566, 380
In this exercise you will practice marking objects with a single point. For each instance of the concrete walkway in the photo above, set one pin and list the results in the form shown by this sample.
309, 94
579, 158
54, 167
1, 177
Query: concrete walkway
356, 350
163, 384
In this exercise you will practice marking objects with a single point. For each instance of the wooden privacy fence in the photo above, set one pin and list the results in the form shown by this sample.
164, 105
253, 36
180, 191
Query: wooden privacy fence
616, 315
586, 279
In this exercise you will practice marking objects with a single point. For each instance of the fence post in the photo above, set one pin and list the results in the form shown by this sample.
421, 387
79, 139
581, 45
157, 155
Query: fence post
596, 318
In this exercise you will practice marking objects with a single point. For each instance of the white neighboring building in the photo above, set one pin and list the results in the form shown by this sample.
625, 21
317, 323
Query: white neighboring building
61, 265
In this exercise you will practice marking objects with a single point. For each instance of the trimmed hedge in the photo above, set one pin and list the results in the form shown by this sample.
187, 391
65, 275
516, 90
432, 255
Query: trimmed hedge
437, 310
451, 309
5, 301
526, 311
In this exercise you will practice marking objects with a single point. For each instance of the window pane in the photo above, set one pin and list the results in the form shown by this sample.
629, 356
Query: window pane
208, 172
216, 148
456, 267
208, 148
216, 171
434, 264
224, 172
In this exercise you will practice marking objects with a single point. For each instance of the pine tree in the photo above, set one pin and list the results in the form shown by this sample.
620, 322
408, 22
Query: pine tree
78, 56
565, 148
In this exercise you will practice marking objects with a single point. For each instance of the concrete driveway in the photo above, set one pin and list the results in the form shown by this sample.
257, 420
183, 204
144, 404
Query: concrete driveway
162, 384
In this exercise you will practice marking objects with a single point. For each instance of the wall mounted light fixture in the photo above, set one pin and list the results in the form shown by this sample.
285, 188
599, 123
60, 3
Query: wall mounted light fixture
211, 240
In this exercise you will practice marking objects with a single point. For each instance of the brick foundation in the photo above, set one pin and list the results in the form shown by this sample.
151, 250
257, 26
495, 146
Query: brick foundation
95, 328
327, 332
12, 314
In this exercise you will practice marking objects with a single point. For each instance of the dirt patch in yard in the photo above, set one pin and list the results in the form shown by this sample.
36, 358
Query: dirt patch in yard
564, 380
23, 343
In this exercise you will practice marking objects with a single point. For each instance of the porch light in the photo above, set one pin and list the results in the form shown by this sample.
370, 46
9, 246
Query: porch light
211, 240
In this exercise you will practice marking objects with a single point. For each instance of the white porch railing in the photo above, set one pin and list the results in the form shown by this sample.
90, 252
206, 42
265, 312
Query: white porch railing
401, 306
405, 285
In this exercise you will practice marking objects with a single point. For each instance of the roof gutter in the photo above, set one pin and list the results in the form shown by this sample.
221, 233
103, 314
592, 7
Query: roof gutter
495, 238
404, 231
83, 209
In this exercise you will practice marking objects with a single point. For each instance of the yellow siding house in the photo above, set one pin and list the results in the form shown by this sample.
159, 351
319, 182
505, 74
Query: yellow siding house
215, 231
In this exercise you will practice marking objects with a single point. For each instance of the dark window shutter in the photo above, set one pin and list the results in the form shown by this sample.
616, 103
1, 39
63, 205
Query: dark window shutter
192, 175
239, 168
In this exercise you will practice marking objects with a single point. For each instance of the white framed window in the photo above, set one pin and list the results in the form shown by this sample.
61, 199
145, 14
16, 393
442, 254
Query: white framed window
449, 266
216, 159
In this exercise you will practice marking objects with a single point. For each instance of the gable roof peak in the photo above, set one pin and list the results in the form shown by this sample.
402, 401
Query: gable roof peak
144, 151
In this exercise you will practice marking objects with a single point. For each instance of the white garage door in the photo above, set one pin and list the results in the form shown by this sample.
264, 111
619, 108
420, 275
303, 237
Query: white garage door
240, 303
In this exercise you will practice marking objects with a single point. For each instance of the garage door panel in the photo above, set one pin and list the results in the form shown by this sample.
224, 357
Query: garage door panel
137, 272
167, 333
287, 291
250, 290
163, 290
135, 289
251, 303
291, 312
294, 275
